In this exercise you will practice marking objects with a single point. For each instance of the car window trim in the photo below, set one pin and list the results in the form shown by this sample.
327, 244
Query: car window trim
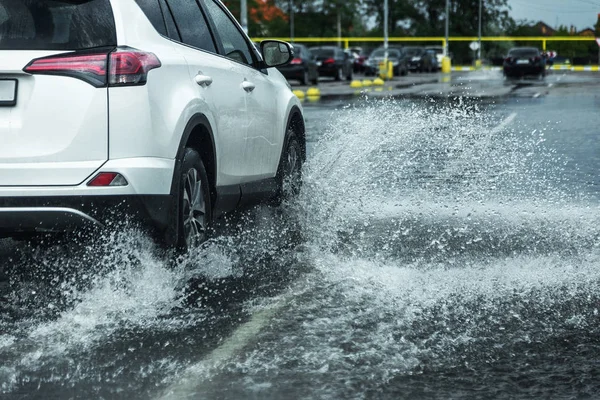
180, 40
219, 42
165, 8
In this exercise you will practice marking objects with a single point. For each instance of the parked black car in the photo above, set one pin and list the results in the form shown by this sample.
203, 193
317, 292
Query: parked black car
419, 59
302, 68
523, 61
395, 55
333, 61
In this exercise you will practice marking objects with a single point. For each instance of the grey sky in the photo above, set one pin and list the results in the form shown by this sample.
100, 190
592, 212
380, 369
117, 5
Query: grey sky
581, 13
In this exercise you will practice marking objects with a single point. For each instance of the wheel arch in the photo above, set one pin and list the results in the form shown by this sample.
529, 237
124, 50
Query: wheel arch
198, 134
296, 123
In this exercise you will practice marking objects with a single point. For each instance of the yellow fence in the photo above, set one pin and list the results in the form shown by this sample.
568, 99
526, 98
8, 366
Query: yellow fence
346, 42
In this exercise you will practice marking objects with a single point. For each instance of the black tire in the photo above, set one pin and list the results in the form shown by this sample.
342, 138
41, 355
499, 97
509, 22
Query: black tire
289, 173
191, 217
350, 75
315, 80
304, 79
339, 74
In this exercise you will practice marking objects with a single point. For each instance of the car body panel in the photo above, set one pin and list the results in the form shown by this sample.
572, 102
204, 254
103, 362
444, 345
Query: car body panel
34, 154
302, 67
138, 131
524, 61
339, 60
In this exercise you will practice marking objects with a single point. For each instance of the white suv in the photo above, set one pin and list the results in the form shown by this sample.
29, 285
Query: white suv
159, 106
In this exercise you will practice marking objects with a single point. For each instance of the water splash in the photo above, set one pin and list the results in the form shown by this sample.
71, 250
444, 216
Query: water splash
444, 242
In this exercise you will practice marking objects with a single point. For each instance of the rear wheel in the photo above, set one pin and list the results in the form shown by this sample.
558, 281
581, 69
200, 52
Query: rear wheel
289, 174
339, 74
190, 222
304, 79
315, 80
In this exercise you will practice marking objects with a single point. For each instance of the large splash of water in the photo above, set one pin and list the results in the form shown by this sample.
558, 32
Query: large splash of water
437, 238
445, 241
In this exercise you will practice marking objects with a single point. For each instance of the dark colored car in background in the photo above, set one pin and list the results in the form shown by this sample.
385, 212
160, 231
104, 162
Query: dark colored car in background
360, 58
395, 55
524, 61
333, 61
302, 68
419, 59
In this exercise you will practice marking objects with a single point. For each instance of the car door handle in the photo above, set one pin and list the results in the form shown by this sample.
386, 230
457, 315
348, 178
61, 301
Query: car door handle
248, 86
203, 80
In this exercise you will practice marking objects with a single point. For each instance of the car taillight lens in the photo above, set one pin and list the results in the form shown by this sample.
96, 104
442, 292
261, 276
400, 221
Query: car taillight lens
127, 67
90, 68
329, 61
130, 67
296, 61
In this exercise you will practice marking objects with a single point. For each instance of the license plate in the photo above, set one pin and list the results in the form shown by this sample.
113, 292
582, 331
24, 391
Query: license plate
8, 92
522, 61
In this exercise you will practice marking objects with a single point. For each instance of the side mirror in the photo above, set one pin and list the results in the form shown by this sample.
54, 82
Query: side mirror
276, 53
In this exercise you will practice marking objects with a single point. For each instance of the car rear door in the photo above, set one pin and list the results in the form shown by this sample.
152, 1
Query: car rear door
218, 82
261, 124
53, 108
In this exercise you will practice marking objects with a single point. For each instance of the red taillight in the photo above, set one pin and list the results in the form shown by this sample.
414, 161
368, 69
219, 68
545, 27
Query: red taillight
127, 67
130, 67
329, 61
88, 67
296, 61
508, 59
108, 179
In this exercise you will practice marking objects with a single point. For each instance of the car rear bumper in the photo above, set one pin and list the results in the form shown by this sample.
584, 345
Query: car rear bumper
26, 215
144, 176
147, 194
293, 71
328, 70
522, 70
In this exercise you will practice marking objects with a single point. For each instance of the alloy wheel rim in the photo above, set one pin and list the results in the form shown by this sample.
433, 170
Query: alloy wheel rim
291, 178
194, 209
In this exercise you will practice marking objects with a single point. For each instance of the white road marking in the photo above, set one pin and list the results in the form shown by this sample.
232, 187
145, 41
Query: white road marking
191, 380
504, 123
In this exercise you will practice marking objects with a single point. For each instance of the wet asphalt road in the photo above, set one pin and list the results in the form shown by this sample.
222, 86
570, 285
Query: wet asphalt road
445, 245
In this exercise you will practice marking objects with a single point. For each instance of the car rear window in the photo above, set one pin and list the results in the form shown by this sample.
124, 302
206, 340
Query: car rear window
414, 51
56, 24
524, 53
323, 52
381, 53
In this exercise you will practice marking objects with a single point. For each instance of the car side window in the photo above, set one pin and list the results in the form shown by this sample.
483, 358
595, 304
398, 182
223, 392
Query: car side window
172, 31
152, 10
191, 24
234, 43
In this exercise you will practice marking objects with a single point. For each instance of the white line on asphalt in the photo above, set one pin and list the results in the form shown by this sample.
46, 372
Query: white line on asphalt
504, 123
191, 380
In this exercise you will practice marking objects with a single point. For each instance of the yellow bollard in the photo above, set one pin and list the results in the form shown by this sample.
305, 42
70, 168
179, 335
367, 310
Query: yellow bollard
356, 84
386, 70
446, 65
299, 94
313, 92
477, 64
378, 82
367, 83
